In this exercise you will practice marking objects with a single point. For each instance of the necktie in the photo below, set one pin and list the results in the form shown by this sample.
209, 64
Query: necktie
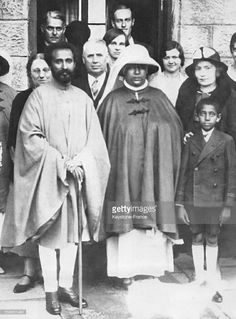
94, 88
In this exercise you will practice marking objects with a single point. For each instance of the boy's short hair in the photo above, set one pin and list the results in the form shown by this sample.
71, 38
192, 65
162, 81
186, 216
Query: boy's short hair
208, 101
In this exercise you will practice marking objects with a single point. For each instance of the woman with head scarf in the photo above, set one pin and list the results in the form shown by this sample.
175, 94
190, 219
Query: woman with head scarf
7, 95
207, 78
116, 42
143, 136
172, 76
38, 73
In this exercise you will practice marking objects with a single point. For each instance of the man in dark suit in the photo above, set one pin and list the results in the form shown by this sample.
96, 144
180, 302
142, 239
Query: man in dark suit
52, 29
122, 18
94, 80
206, 189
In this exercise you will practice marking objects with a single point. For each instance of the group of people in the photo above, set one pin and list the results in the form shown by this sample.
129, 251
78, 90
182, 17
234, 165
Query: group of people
106, 144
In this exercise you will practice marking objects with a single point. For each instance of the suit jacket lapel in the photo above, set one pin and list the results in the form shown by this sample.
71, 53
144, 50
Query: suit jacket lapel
210, 146
198, 141
100, 93
87, 87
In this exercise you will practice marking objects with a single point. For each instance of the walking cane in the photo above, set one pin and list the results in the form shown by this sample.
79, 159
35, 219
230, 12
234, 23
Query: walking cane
78, 185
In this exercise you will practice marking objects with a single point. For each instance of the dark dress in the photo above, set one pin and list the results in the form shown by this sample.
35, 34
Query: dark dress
7, 94
28, 249
17, 108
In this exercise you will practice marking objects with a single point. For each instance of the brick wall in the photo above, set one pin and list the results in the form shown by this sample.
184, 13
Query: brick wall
204, 22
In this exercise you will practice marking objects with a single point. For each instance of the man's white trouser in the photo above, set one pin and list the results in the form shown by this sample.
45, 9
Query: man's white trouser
49, 266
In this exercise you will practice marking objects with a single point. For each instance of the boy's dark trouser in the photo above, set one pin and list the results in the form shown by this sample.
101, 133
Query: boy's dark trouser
204, 225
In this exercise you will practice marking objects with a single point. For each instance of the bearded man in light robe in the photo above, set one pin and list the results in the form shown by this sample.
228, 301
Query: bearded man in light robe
59, 144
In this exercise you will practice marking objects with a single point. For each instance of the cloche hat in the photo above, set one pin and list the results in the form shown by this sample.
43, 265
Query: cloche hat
205, 54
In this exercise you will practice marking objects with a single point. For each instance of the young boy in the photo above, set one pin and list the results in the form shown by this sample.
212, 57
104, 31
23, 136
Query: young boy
206, 189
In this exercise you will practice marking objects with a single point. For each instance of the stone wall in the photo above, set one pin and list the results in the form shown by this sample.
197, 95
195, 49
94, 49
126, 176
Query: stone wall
14, 38
18, 33
204, 23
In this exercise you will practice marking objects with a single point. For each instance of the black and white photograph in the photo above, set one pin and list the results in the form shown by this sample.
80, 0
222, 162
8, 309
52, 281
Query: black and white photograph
118, 159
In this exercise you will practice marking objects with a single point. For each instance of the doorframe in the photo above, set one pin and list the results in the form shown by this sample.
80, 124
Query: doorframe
32, 27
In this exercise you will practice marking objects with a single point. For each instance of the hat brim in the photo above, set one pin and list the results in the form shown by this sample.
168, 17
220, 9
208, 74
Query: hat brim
152, 68
189, 70
4, 66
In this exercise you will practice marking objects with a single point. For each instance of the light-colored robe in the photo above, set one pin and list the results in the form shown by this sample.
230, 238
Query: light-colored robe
56, 123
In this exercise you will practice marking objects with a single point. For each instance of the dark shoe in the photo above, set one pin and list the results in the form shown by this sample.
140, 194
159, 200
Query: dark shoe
68, 295
217, 297
22, 288
52, 304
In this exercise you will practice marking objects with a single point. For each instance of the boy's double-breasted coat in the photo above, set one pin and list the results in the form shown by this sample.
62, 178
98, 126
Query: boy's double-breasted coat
208, 171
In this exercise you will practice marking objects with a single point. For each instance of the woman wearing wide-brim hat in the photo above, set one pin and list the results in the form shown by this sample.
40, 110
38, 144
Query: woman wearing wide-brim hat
7, 94
143, 134
207, 78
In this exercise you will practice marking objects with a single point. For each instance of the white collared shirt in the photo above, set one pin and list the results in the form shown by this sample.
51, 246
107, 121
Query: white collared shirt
100, 80
131, 40
207, 134
136, 88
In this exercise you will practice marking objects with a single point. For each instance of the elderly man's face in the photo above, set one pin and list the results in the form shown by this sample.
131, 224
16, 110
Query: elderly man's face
53, 31
95, 59
135, 74
123, 20
63, 65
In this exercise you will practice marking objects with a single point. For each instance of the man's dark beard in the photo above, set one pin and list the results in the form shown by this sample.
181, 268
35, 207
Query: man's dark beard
63, 76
